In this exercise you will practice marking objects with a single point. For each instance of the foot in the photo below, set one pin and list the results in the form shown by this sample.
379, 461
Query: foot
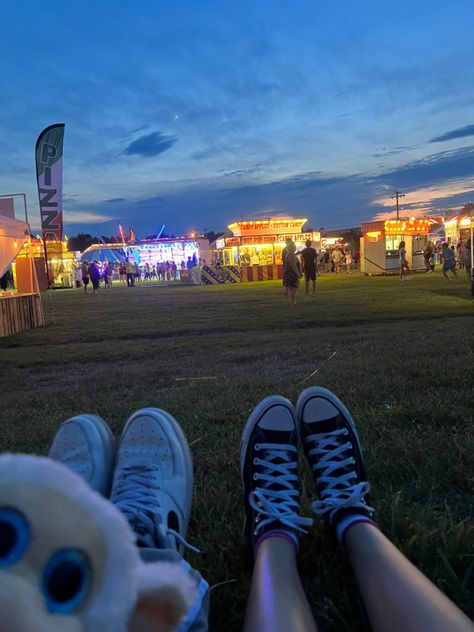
333, 450
85, 445
268, 466
153, 479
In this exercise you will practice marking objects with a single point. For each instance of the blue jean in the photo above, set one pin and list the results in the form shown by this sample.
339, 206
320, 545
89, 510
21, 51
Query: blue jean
198, 615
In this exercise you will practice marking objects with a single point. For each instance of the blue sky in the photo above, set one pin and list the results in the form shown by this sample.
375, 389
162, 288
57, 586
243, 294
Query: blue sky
197, 113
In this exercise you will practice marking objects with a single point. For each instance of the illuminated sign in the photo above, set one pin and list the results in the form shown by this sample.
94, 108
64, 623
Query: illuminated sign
267, 227
259, 239
220, 243
299, 237
408, 226
232, 241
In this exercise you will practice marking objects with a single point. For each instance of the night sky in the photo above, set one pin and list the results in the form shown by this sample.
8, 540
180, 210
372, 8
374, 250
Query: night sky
194, 114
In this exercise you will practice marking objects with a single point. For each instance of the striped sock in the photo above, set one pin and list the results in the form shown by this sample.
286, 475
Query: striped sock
348, 521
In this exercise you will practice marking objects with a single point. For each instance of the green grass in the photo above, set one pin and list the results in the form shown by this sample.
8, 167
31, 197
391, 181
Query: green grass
399, 354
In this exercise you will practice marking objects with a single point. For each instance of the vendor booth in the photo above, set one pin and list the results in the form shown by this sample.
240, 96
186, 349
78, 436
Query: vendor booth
458, 228
61, 265
380, 242
255, 247
22, 309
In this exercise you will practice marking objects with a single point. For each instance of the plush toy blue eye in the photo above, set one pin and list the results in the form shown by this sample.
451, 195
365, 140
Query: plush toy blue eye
14, 536
66, 580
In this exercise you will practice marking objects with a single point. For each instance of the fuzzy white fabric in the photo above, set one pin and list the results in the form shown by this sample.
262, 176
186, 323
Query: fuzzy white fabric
156, 575
119, 588
125, 575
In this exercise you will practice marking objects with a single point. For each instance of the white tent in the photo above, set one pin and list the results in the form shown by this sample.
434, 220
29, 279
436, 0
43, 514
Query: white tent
13, 235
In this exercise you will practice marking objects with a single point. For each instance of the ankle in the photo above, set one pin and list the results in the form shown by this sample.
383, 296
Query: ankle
278, 539
345, 525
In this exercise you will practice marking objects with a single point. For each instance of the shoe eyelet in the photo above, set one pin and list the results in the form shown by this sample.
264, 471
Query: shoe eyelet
256, 461
257, 447
255, 477
346, 432
353, 460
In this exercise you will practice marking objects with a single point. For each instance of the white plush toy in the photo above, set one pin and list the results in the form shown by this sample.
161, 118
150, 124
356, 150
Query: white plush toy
68, 560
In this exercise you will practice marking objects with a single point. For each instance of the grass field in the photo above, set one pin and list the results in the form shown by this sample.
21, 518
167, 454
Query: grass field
399, 354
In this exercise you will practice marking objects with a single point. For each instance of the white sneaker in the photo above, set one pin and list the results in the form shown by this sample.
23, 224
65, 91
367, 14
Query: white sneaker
153, 479
85, 445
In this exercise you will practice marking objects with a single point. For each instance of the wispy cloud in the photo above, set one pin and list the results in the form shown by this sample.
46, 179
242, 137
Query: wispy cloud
84, 217
461, 132
151, 145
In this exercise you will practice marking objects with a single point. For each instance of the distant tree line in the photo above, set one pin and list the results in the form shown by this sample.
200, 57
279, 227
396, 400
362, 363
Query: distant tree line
81, 241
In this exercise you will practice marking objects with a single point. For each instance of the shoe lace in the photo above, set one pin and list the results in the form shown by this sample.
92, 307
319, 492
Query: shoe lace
335, 474
277, 497
134, 493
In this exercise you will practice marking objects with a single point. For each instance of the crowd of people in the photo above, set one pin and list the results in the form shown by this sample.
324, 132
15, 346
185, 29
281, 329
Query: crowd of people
130, 272
450, 257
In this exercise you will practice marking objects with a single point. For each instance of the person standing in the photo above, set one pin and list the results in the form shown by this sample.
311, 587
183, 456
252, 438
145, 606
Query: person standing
348, 261
309, 259
94, 274
129, 273
449, 260
85, 276
404, 266
326, 260
467, 259
107, 275
291, 273
428, 255
336, 257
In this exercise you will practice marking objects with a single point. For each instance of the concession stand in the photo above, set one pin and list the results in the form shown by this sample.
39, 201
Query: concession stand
380, 242
458, 228
256, 246
20, 309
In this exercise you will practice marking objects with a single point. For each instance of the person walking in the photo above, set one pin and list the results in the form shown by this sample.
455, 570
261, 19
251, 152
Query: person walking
449, 260
404, 265
309, 260
85, 276
291, 273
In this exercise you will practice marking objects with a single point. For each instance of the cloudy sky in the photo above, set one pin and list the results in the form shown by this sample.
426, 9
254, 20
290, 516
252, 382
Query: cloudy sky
196, 113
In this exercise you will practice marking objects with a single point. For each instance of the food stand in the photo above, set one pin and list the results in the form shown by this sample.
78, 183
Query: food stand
380, 242
256, 246
20, 310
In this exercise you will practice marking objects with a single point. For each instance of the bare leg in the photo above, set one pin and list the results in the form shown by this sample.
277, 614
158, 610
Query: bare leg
396, 594
277, 600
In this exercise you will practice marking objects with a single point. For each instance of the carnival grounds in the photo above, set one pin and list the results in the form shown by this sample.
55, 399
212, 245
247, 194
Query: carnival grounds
399, 354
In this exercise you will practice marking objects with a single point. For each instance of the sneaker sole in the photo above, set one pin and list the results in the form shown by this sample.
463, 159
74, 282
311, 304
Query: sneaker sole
319, 391
256, 415
95, 427
158, 414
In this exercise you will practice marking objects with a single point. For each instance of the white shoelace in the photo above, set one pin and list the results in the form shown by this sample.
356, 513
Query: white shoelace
135, 494
277, 504
339, 491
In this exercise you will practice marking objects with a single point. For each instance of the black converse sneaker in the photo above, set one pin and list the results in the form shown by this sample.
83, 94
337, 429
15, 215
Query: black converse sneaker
333, 450
268, 466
